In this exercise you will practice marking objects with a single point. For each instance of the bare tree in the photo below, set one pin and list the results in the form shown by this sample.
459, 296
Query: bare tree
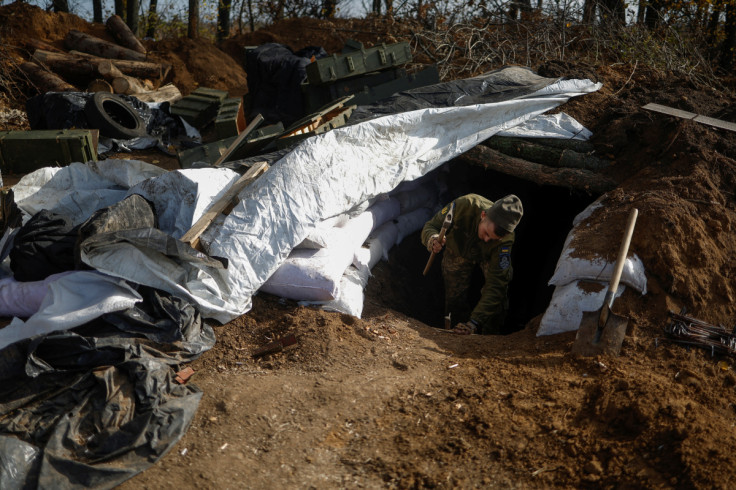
97, 11
729, 43
132, 19
329, 9
120, 8
152, 19
60, 5
223, 19
193, 25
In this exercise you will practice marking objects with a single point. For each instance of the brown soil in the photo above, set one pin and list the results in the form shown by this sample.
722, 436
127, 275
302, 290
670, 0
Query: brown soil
389, 401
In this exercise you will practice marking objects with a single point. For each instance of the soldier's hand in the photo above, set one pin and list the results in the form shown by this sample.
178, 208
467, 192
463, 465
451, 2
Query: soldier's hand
434, 245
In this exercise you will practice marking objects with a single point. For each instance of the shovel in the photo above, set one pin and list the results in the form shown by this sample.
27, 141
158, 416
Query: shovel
602, 331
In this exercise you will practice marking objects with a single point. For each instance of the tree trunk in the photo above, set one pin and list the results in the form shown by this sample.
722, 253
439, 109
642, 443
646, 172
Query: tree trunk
132, 19
65, 65
251, 16
60, 5
589, 11
45, 81
98, 85
193, 25
33, 44
223, 19
121, 84
120, 8
729, 43
97, 11
329, 8
578, 179
167, 93
152, 21
376, 9
138, 69
389, 4
713, 23
122, 34
546, 155
641, 11
94, 45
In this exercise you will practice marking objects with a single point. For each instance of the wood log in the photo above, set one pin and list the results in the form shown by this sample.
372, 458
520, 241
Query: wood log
122, 34
44, 80
65, 65
528, 149
94, 45
98, 85
138, 69
33, 44
121, 84
127, 85
570, 178
167, 93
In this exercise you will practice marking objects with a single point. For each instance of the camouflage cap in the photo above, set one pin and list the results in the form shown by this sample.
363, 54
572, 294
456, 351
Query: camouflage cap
506, 212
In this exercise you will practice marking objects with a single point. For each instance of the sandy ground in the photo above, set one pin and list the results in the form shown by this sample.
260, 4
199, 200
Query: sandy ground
389, 401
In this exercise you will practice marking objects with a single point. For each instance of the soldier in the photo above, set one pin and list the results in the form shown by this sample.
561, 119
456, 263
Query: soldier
481, 234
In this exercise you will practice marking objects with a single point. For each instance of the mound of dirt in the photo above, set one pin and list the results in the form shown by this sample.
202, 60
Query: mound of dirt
387, 400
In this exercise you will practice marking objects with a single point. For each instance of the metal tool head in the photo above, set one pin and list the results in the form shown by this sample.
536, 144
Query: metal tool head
594, 339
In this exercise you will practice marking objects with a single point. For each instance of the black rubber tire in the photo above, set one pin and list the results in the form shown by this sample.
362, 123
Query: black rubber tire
114, 117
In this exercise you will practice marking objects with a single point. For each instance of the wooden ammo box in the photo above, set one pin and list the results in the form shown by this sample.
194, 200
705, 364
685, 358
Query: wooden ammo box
200, 107
22, 152
358, 62
211, 152
316, 96
422, 78
230, 120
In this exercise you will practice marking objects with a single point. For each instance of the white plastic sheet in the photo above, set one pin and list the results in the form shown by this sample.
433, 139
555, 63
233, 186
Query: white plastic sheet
326, 175
72, 300
330, 173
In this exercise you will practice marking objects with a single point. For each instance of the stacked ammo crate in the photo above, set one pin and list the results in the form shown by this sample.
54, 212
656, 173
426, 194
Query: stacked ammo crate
368, 74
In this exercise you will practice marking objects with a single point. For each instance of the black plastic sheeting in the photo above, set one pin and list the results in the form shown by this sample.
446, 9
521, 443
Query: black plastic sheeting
65, 110
275, 74
43, 246
499, 85
92, 406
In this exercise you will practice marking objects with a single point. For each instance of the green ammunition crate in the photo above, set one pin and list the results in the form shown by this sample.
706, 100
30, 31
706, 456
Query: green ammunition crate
230, 120
211, 152
316, 96
200, 107
25, 151
422, 78
358, 62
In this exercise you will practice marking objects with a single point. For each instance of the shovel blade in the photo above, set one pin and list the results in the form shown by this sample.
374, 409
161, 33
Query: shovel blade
592, 340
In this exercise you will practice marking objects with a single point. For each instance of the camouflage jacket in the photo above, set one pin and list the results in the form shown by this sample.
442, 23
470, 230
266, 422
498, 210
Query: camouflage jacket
462, 239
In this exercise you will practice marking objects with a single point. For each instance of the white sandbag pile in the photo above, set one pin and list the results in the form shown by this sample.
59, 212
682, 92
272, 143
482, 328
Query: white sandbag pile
581, 284
331, 267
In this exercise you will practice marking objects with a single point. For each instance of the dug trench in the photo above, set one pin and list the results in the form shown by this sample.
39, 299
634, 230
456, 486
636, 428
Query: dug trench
548, 214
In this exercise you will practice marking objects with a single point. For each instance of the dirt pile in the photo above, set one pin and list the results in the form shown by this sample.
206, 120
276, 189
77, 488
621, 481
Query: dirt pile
388, 401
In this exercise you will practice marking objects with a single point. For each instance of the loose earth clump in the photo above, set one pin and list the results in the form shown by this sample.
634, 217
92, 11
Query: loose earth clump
389, 400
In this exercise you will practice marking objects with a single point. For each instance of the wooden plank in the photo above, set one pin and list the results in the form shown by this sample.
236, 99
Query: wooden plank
699, 118
717, 123
241, 137
192, 236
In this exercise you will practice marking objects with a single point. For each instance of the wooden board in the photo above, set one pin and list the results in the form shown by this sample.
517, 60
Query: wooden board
709, 121
192, 236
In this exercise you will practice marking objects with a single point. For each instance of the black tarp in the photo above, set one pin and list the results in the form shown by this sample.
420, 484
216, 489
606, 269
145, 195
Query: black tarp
92, 406
275, 74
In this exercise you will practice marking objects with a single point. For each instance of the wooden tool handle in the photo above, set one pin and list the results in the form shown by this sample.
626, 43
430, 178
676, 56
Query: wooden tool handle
621, 259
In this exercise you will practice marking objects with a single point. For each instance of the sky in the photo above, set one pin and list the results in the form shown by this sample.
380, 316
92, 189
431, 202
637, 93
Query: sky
83, 8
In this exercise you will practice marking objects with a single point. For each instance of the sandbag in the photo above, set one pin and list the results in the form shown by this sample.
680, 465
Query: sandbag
376, 247
315, 274
411, 222
351, 297
565, 310
23, 299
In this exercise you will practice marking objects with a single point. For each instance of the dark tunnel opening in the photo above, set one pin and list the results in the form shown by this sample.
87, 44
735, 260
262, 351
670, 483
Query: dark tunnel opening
548, 214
